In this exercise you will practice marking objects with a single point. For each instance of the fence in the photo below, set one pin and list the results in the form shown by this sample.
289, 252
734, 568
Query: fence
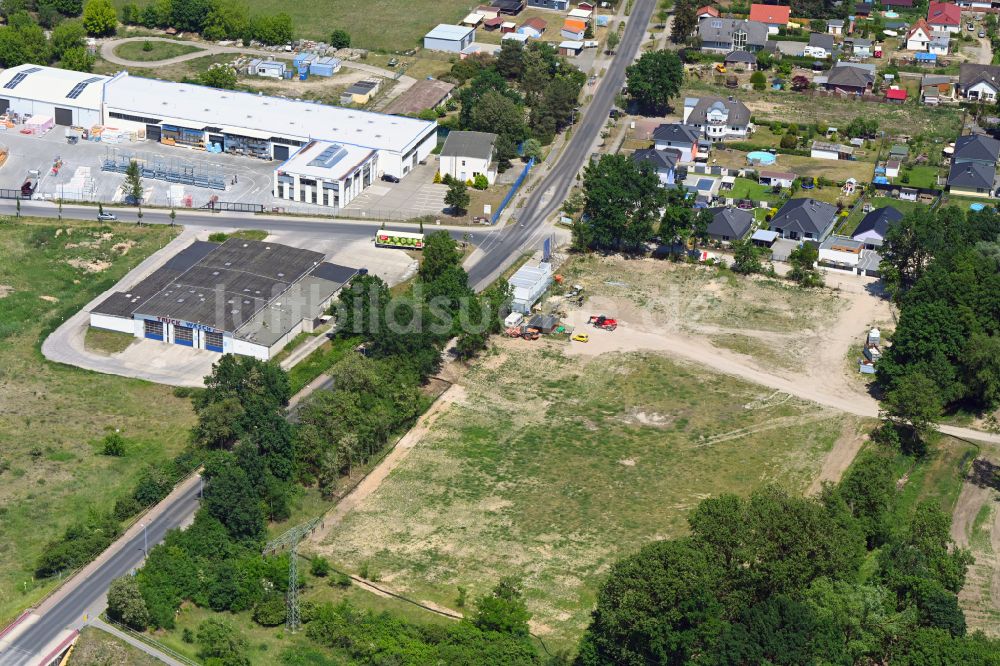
234, 206
513, 190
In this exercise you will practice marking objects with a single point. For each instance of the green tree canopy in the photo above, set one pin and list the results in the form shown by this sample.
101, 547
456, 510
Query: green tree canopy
622, 202
100, 18
654, 79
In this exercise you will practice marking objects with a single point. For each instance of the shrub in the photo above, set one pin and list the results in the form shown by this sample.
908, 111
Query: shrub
270, 612
114, 445
480, 182
126, 605
319, 567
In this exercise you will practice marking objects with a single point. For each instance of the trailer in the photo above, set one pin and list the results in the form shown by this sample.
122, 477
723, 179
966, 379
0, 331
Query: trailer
404, 240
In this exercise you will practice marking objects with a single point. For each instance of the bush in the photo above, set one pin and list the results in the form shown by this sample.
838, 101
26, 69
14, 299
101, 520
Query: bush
758, 80
126, 507
126, 605
319, 567
789, 141
480, 182
341, 580
114, 445
270, 612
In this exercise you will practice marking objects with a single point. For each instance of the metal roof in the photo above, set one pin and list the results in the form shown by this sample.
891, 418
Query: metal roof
469, 144
55, 86
449, 32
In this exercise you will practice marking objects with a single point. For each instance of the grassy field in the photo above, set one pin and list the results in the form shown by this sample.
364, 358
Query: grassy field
97, 648
158, 51
554, 478
107, 342
377, 24
54, 416
909, 119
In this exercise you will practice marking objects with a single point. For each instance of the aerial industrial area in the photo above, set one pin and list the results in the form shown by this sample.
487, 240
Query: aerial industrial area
539, 332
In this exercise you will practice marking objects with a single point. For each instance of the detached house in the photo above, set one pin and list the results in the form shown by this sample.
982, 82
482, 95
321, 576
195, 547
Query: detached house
729, 224
919, 36
850, 78
682, 138
875, 225
718, 119
707, 12
725, 35
972, 179
773, 16
979, 82
944, 16
936, 88
662, 162
573, 29
976, 149
820, 46
466, 155
804, 219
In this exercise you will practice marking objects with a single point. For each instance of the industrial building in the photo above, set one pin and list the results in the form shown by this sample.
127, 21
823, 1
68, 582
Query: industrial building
69, 98
450, 38
529, 283
239, 297
327, 174
190, 115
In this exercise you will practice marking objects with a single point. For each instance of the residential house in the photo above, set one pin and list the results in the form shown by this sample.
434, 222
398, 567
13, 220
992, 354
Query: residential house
824, 150
840, 252
570, 48
719, 119
863, 9
533, 27
861, 47
729, 224
895, 95
663, 162
804, 219
558, 5
975, 5
919, 36
776, 178
725, 35
773, 16
902, 4
940, 43
573, 29
820, 46
972, 179
850, 78
978, 82
976, 148
509, 7
743, 59
674, 136
936, 89
450, 38
875, 225
468, 154
707, 12
944, 16
835, 26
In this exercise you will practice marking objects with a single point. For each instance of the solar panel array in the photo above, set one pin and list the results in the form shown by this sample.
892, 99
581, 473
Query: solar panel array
78, 88
20, 76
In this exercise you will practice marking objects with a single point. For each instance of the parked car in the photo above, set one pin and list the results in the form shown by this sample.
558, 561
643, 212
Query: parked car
107, 217
393, 62
982, 34
971, 27
581, 337
389, 178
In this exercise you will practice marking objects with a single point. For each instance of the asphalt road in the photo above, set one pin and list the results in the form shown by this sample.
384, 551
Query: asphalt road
499, 249
68, 612
504, 246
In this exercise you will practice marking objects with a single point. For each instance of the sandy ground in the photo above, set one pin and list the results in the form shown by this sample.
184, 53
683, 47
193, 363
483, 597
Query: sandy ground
980, 597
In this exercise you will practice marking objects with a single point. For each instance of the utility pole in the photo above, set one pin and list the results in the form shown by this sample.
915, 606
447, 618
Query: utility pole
291, 539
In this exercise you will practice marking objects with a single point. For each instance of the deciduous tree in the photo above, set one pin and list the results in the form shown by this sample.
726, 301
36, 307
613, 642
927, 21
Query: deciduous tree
654, 79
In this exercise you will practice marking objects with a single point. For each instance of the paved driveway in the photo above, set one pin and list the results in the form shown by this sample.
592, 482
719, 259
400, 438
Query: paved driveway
416, 195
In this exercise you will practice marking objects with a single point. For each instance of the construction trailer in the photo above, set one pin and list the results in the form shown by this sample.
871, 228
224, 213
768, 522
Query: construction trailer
529, 283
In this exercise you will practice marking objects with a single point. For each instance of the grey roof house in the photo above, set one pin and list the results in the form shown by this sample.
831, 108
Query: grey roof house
972, 179
850, 79
663, 162
804, 219
729, 224
683, 138
726, 35
820, 45
977, 148
875, 225
977, 81
718, 118
741, 59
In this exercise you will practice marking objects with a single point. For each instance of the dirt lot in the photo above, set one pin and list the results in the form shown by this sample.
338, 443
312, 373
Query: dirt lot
976, 525
560, 454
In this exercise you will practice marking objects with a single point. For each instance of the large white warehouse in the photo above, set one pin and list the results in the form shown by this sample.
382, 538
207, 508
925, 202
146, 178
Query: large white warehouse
69, 98
192, 115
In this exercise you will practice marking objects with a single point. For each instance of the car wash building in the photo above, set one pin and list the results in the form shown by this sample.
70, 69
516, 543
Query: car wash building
67, 97
240, 297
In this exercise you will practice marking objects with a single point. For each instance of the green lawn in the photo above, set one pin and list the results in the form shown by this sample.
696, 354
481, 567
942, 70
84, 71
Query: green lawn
158, 51
921, 176
852, 221
53, 416
751, 189
552, 479
374, 24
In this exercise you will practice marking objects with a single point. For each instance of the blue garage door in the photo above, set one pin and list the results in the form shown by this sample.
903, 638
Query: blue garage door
183, 336
213, 342
153, 329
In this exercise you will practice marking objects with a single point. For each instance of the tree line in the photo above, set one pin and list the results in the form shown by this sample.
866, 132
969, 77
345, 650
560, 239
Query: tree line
23, 39
942, 268
777, 579
213, 19
524, 93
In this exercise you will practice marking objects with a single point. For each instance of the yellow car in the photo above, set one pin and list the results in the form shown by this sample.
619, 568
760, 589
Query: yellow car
581, 337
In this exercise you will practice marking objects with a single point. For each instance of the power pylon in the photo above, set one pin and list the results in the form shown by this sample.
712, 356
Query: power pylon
291, 540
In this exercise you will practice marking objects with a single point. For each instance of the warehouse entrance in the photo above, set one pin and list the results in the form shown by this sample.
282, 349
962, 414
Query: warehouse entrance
280, 152
213, 342
153, 133
153, 329
183, 336
64, 116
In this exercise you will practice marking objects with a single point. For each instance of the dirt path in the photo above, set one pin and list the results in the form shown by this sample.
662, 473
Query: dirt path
371, 483
980, 597
839, 458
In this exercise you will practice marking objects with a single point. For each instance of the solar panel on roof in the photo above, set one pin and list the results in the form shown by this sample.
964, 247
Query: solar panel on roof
330, 156
78, 88
20, 76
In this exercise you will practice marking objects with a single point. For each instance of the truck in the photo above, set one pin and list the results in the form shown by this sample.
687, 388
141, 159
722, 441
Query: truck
404, 240
27, 188
600, 321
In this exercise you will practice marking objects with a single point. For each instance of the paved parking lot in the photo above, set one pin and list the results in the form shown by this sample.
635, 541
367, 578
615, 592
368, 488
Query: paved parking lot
247, 180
